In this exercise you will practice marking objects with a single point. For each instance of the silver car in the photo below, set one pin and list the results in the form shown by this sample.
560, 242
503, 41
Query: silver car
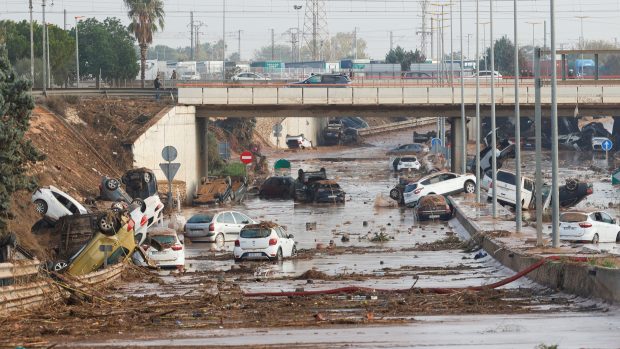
217, 227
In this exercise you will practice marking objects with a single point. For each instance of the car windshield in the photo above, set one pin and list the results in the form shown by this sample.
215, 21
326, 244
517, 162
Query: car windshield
164, 239
572, 217
408, 160
410, 187
254, 233
201, 218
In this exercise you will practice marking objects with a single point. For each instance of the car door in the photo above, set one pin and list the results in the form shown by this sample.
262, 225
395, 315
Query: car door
505, 186
240, 221
227, 225
451, 182
609, 229
286, 243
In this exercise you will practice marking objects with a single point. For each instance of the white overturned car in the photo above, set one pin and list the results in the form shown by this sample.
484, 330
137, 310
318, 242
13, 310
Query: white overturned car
299, 141
591, 227
53, 203
442, 183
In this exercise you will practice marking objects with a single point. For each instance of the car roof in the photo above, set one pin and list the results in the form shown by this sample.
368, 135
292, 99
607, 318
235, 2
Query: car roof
435, 174
262, 225
161, 231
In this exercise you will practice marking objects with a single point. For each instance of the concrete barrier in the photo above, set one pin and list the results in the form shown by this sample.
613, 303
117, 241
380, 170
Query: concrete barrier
577, 278
190, 96
390, 95
611, 94
365, 95
590, 94
415, 95
265, 95
240, 95
440, 95
215, 95
339, 96
317, 95
290, 96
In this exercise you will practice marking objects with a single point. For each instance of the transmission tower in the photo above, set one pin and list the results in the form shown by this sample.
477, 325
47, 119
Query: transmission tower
424, 32
315, 27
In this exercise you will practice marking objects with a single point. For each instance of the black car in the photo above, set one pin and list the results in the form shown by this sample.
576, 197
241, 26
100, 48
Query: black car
277, 187
326, 191
432, 207
319, 80
303, 184
573, 192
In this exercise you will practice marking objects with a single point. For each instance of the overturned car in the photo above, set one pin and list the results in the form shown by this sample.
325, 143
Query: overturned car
315, 187
220, 191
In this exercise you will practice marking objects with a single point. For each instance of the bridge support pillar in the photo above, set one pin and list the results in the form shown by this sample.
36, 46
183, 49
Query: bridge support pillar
456, 149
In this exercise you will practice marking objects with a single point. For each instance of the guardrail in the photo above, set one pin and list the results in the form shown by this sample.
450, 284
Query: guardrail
116, 92
396, 126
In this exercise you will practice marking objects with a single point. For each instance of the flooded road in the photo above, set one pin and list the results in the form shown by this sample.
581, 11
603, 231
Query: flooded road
542, 316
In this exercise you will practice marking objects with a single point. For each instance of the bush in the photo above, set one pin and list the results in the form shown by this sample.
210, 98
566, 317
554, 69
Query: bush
230, 169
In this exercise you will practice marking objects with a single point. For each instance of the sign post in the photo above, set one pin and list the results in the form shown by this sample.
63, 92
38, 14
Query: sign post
607, 145
436, 144
170, 169
246, 158
277, 132
615, 177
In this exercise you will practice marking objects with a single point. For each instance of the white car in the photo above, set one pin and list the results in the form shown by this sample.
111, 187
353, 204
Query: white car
164, 248
264, 240
249, 77
442, 183
190, 76
407, 163
54, 203
486, 75
137, 216
217, 227
593, 227
295, 142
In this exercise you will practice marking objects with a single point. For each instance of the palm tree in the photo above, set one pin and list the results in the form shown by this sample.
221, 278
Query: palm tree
147, 17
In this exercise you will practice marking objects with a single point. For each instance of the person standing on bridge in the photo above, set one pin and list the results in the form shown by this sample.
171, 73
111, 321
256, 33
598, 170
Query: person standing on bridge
157, 86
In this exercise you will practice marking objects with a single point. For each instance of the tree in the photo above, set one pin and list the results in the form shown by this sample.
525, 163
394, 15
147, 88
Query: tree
281, 53
404, 58
504, 57
147, 17
16, 152
106, 50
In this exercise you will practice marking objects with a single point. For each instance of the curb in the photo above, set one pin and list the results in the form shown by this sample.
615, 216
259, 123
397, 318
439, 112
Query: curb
576, 278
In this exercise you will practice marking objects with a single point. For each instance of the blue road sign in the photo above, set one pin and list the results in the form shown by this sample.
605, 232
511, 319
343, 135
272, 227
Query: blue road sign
435, 141
607, 145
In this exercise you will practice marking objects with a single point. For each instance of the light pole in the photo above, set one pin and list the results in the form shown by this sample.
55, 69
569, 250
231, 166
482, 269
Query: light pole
452, 47
44, 81
478, 121
555, 212
468, 51
223, 40
77, 52
519, 208
31, 45
298, 56
581, 40
493, 121
47, 56
463, 123
484, 44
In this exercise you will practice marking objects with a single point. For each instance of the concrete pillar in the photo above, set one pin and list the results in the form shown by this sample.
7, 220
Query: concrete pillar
456, 150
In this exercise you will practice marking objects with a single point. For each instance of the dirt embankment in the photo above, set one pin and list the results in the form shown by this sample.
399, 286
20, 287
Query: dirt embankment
82, 142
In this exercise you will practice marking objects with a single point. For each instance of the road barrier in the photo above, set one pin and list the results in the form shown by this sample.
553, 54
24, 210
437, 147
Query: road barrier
396, 126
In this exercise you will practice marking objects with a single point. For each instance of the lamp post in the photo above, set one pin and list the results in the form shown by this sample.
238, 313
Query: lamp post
298, 56
555, 211
77, 52
493, 121
44, 80
484, 44
463, 122
478, 121
519, 208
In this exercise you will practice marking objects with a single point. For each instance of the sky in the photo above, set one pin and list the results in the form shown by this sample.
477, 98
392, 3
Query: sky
374, 19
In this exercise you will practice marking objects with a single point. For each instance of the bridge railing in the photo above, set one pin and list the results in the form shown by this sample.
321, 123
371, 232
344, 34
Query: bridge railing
388, 95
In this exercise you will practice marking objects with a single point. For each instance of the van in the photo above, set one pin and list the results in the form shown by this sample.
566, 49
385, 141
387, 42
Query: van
507, 190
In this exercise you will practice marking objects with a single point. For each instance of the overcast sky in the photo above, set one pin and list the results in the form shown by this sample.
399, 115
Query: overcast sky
373, 18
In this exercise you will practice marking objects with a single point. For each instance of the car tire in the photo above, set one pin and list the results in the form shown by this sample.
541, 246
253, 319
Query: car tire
220, 240
140, 203
118, 207
279, 256
40, 206
469, 187
395, 194
595, 239
59, 266
618, 237
572, 184
112, 184
108, 224
294, 251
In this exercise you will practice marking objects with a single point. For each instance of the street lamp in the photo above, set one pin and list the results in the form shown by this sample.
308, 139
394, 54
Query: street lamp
478, 121
77, 52
555, 209
493, 121
519, 205
484, 44
297, 8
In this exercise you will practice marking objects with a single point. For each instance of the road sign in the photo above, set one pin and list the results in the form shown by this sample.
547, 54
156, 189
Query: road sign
615, 177
246, 157
435, 142
169, 153
282, 163
607, 145
170, 169
277, 128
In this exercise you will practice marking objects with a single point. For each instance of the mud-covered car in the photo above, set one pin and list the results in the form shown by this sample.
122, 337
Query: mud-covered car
220, 190
325, 191
304, 180
432, 207
278, 187
397, 193
574, 191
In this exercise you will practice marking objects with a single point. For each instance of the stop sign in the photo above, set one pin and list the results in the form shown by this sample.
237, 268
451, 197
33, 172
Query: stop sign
246, 157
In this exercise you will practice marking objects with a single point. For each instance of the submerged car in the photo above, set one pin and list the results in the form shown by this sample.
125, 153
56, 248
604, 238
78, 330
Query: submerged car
220, 191
217, 227
164, 248
591, 227
432, 207
278, 187
442, 183
325, 191
397, 192
53, 203
265, 240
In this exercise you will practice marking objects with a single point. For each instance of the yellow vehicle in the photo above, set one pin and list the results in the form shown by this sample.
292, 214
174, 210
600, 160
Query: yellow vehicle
92, 256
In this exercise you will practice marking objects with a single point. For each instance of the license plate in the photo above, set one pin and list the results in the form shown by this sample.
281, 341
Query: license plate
332, 196
254, 254
433, 216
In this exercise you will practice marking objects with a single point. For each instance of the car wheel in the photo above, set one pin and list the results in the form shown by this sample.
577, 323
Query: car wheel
219, 240
118, 206
107, 224
59, 266
595, 239
571, 184
40, 206
469, 187
261, 194
395, 194
294, 251
147, 177
140, 203
112, 184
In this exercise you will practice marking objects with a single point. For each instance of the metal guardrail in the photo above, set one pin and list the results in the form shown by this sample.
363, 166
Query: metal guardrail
18, 269
116, 92
396, 126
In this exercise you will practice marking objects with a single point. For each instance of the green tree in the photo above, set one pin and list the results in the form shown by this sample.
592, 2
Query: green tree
404, 58
16, 152
504, 57
147, 17
281, 53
